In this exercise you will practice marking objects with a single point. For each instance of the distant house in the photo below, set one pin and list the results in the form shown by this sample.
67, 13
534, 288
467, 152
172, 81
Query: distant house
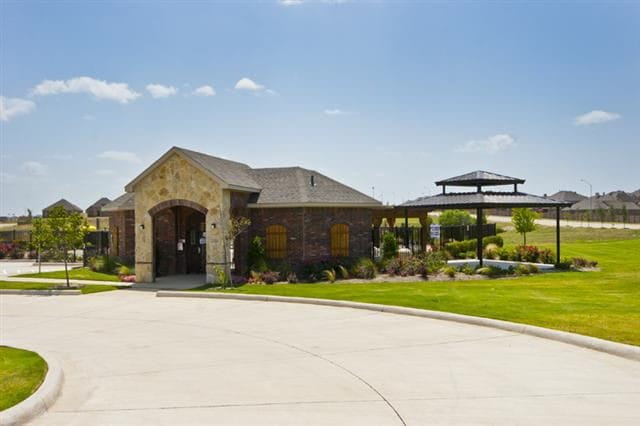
95, 209
68, 206
568, 196
591, 206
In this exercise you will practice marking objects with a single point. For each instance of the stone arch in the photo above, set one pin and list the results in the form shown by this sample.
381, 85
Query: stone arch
177, 203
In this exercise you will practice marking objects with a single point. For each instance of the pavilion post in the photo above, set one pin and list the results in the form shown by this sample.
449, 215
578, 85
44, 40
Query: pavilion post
557, 235
406, 228
479, 235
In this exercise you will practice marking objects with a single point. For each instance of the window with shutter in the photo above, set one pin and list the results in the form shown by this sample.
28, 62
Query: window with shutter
340, 240
276, 242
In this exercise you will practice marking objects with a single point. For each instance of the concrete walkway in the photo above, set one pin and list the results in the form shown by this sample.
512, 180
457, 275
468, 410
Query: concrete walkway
131, 358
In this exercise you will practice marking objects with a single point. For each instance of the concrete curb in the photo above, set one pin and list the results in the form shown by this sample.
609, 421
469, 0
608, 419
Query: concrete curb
41, 292
618, 349
40, 401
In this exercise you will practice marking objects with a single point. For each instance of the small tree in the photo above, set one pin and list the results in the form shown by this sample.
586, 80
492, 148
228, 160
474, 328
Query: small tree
41, 238
67, 232
237, 225
389, 246
625, 216
612, 215
601, 215
524, 220
257, 258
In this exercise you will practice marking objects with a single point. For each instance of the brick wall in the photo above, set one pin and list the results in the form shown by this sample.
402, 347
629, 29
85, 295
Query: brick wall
126, 241
308, 230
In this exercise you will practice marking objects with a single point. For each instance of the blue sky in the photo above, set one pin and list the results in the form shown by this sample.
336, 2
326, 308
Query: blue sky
391, 95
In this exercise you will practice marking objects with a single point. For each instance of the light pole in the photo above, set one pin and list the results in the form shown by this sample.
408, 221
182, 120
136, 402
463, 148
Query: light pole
590, 198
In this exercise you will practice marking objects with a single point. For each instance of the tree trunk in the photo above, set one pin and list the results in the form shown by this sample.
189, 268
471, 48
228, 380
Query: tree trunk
524, 236
39, 262
66, 269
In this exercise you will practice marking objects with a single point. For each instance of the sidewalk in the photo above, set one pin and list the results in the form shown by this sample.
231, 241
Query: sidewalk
571, 223
63, 281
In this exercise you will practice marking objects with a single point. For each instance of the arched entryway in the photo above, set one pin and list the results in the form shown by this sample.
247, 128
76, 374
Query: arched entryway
179, 238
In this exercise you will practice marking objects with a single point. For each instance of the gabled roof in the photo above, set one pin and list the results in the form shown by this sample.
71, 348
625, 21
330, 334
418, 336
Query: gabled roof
68, 206
618, 196
597, 203
231, 174
471, 200
100, 203
293, 186
479, 177
123, 202
568, 196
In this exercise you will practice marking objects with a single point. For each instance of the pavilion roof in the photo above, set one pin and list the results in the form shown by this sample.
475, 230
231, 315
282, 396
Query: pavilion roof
473, 200
479, 178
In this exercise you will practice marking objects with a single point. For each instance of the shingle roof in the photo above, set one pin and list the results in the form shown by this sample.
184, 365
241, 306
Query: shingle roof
231, 172
483, 199
479, 177
568, 196
597, 203
65, 204
292, 185
123, 202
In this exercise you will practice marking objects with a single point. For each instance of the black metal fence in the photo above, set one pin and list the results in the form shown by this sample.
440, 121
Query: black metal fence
417, 239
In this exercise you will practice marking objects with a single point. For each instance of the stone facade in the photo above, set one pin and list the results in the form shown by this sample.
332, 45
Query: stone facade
177, 182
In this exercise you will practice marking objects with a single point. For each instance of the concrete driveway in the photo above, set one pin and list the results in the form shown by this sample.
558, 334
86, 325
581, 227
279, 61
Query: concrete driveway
132, 358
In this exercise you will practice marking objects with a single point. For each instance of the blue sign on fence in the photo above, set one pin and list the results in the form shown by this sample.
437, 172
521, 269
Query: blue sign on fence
434, 231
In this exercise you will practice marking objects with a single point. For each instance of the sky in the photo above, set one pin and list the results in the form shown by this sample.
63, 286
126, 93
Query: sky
384, 96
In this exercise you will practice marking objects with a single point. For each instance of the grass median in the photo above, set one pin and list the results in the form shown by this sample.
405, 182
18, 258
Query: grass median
21, 373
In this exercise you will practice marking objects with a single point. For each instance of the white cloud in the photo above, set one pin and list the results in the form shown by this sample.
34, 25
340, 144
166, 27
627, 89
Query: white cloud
596, 117
493, 143
105, 172
33, 168
12, 107
204, 91
160, 91
290, 2
126, 156
99, 89
335, 111
250, 85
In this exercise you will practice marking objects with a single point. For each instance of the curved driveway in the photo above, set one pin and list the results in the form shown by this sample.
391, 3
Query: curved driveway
132, 358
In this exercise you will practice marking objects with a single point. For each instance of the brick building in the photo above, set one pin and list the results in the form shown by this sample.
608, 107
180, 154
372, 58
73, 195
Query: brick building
174, 215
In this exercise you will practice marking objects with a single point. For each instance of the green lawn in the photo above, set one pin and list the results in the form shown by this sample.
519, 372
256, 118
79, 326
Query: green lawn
546, 235
87, 289
75, 274
21, 373
603, 304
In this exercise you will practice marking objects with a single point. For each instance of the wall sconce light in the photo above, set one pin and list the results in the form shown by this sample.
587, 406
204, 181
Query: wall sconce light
213, 226
142, 226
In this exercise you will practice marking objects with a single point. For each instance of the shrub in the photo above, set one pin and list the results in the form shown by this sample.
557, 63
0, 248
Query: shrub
255, 277
329, 275
292, 278
547, 256
492, 239
344, 273
125, 270
239, 280
491, 251
393, 266
365, 268
580, 262
270, 277
256, 256
521, 270
493, 271
449, 271
533, 269
104, 264
467, 270
455, 217
527, 254
389, 246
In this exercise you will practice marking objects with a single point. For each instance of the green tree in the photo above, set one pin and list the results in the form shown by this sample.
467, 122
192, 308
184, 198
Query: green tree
612, 214
41, 238
455, 217
524, 220
68, 230
389, 246
625, 215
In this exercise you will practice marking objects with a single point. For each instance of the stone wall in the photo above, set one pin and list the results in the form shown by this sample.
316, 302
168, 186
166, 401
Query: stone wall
171, 181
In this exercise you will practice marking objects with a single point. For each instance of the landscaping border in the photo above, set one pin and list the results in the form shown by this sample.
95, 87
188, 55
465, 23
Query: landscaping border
40, 400
618, 349
40, 292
